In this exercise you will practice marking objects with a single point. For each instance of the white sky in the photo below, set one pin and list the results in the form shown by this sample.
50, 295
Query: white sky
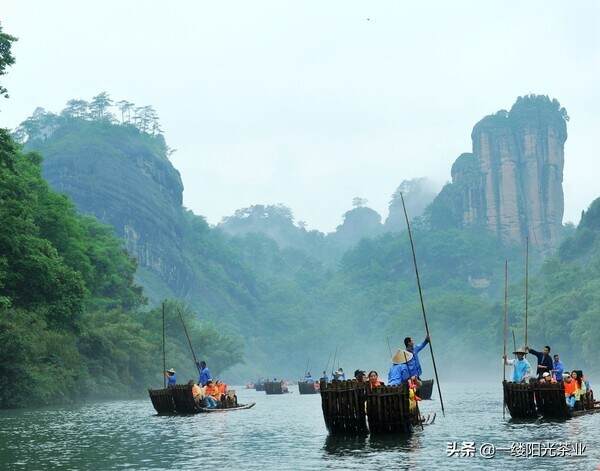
308, 103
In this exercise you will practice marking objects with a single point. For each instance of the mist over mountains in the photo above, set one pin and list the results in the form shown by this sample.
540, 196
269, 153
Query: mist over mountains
289, 293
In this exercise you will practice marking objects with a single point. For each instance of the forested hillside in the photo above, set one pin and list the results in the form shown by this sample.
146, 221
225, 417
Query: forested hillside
262, 276
73, 323
278, 293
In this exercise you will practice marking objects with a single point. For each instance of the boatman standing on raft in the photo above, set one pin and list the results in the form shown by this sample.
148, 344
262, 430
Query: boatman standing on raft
545, 363
522, 368
204, 373
414, 365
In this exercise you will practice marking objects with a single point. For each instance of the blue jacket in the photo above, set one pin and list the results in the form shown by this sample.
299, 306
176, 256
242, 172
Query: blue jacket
204, 376
559, 369
414, 365
398, 374
171, 380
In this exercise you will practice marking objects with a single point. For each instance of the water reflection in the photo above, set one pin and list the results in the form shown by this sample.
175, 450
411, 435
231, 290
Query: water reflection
345, 445
348, 445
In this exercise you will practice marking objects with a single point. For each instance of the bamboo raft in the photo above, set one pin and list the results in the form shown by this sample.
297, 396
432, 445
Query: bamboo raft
259, 386
275, 387
425, 391
353, 408
179, 400
307, 387
547, 400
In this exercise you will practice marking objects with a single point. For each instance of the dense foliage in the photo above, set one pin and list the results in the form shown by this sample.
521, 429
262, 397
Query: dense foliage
71, 318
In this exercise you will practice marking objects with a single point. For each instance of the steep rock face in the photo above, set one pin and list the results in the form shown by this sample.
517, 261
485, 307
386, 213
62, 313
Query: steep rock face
122, 177
511, 183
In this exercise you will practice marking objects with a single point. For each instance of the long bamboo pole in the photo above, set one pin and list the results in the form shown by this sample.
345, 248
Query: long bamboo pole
526, 285
334, 357
412, 245
327, 364
388, 344
514, 341
188, 337
505, 312
163, 347
505, 331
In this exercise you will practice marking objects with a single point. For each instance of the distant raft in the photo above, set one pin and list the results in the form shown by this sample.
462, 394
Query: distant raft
353, 408
547, 400
275, 387
308, 387
426, 389
180, 400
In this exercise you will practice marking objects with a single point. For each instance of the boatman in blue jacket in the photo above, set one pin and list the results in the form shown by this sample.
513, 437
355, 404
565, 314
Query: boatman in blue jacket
204, 373
171, 378
522, 368
414, 365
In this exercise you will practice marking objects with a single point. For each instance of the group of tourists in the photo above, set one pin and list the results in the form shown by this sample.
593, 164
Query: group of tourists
549, 370
405, 369
207, 392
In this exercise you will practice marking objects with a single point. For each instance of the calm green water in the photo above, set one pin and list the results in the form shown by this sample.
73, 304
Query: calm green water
280, 432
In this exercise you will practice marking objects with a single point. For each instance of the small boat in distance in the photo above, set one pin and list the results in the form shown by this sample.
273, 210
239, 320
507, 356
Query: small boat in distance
308, 387
426, 389
276, 387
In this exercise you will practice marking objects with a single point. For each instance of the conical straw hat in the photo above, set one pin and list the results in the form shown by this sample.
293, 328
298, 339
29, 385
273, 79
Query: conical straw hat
402, 356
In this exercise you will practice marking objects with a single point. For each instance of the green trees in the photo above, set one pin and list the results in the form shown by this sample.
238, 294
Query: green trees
6, 57
72, 320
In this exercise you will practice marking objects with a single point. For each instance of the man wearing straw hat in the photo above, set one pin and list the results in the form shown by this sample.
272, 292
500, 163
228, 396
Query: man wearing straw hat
521, 367
399, 372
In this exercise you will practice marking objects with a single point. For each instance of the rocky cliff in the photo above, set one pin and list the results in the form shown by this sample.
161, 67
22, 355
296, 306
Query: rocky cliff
123, 177
511, 182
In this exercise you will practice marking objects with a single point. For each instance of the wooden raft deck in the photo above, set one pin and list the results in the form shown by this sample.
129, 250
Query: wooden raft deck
180, 400
274, 387
353, 408
532, 400
307, 387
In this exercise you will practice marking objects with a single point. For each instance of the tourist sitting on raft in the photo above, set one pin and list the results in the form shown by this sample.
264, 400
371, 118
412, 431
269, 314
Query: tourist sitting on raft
171, 378
521, 367
374, 380
545, 363
570, 386
324, 377
360, 376
308, 378
202, 396
339, 375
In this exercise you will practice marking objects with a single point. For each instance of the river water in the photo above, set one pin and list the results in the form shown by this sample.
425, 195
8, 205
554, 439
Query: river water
287, 432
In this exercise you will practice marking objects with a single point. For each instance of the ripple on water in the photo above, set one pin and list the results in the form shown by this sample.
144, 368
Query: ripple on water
280, 432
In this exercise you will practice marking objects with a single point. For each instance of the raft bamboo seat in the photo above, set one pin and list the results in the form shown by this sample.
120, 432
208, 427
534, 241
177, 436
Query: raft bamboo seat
388, 410
343, 404
353, 408
550, 400
184, 399
519, 398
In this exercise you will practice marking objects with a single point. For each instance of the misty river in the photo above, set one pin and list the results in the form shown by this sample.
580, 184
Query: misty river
285, 432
